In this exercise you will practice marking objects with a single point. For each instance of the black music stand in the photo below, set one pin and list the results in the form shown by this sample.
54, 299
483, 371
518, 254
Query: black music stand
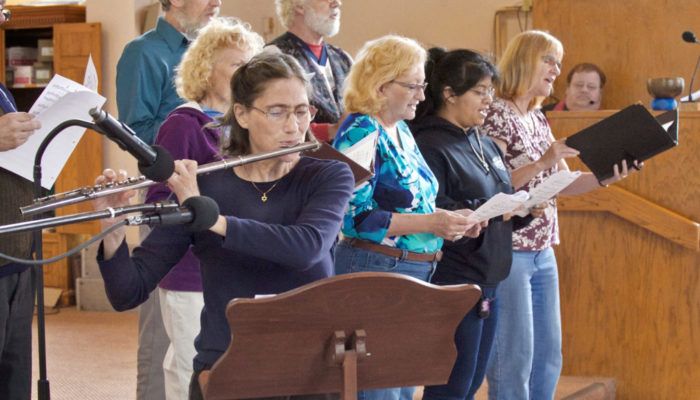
351, 332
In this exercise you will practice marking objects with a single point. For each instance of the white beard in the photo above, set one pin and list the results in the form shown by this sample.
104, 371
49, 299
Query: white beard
323, 25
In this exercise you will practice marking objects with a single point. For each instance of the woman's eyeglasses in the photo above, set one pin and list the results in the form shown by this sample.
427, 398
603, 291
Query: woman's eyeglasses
485, 92
552, 62
280, 114
414, 87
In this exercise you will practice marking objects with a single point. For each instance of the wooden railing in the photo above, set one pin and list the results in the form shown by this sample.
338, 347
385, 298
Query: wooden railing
639, 211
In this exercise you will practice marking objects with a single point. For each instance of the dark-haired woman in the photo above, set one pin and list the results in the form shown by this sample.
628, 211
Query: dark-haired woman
470, 169
279, 218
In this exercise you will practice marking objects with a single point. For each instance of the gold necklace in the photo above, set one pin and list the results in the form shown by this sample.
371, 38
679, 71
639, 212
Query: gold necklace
263, 198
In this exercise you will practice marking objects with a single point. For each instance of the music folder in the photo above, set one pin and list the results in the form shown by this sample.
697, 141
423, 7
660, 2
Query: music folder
327, 152
630, 134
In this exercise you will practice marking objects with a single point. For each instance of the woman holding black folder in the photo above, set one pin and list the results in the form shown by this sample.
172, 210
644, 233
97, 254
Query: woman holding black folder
526, 358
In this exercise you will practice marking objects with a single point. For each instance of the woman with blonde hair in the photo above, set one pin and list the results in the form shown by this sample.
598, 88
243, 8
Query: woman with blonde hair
202, 79
392, 224
526, 358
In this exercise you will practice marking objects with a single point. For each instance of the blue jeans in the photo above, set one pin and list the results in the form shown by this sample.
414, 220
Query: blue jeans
526, 358
473, 338
350, 259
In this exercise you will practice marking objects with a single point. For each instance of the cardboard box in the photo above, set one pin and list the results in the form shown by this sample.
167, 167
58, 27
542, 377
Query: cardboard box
45, 52
15, 56
42, 72
24, 75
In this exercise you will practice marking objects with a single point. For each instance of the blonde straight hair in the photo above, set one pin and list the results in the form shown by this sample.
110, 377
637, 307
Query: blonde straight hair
378, 62
519, 63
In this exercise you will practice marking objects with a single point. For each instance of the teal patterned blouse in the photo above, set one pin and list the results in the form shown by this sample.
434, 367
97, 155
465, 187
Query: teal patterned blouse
402, 183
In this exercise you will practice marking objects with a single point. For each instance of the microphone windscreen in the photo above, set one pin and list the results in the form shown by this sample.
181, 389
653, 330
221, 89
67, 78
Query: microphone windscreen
162, 168
205, 211
689, 37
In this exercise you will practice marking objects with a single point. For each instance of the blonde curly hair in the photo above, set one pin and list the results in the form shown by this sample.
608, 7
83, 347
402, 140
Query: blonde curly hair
378, 62
194, 70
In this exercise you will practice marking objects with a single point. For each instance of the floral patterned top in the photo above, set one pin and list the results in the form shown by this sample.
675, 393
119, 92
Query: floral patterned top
523, 148
402, 183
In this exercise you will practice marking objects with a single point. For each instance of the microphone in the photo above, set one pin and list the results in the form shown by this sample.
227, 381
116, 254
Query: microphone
155, 162
197, 213
689, 37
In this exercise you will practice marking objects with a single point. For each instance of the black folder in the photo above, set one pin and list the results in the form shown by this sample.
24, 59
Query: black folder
630, 134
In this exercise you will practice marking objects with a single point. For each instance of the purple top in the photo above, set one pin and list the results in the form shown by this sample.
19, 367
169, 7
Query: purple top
522, 148
269, 247
183, 136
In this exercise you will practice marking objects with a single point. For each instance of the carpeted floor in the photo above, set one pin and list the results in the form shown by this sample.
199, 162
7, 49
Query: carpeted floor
90, 355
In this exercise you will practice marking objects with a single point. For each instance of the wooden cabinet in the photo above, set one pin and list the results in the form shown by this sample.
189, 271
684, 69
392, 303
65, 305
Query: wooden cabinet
73, 42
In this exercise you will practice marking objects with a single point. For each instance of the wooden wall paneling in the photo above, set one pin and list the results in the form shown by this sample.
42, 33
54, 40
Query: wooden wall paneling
73, 44
630, 298
630, 40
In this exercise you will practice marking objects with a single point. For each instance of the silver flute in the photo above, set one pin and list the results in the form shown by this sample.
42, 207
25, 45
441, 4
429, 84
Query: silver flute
52, 202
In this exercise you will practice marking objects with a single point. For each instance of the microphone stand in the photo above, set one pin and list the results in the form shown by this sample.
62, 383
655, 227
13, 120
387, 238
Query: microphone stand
38, 270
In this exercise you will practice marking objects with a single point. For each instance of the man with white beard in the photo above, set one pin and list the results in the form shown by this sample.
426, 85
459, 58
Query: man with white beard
308, 22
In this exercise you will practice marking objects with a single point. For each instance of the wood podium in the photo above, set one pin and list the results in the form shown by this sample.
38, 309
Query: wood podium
350, 332
629, 271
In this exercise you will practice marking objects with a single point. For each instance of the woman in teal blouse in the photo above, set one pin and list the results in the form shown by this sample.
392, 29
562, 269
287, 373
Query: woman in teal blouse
391, 223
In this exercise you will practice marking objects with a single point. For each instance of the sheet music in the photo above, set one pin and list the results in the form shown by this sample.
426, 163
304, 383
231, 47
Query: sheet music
60, 101
554, 184
363, 151
500, 204
90, 80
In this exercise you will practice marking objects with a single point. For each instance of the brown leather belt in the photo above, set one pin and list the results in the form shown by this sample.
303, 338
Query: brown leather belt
393, 251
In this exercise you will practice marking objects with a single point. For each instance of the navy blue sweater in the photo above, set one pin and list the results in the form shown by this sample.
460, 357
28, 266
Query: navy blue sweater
269, 247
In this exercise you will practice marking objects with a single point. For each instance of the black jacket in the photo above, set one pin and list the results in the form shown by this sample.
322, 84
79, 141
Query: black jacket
464, 183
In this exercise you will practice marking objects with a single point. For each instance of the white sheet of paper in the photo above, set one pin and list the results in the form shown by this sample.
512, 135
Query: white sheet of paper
90, 80
60, 101
363, 151
551, 186
500, 204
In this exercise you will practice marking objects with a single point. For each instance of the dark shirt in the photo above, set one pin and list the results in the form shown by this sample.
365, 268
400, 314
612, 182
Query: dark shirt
328, 102
15, 192
464, 183
269, 247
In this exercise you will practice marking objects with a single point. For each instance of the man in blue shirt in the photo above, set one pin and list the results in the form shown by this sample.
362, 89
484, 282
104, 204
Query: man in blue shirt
145, 96
16, 283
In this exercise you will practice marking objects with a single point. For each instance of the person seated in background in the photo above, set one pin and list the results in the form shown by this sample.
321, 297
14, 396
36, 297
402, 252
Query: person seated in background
584, 89
202, 78
279, 217
308, 22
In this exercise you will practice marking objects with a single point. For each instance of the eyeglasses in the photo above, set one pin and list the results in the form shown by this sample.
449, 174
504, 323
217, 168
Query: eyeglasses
412, 86
486, 92
280, 114
7, 14
551, 61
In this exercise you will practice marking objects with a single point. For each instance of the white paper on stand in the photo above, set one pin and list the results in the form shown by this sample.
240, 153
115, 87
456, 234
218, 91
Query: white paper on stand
90, 80
363, 151
500, 204
60, 101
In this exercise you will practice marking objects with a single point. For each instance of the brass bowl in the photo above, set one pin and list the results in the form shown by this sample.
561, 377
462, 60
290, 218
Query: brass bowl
667, 88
